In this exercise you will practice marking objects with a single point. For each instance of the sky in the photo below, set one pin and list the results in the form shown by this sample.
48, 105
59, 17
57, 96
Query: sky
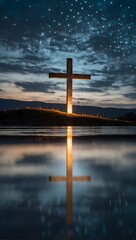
36, 37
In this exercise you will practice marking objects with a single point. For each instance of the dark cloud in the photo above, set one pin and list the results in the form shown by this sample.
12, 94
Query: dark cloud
131, 95
8, 67
89, 89
46, 87
37, 37
35, 160
99, 85
80, 99
106, 170
23, 181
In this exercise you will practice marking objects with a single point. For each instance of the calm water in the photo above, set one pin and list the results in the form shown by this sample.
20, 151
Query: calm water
61, 131
34, 206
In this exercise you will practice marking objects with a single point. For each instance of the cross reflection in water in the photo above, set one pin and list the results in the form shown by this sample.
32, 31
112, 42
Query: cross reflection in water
69, 178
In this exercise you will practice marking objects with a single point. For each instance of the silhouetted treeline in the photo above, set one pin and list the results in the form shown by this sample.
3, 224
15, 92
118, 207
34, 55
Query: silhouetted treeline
128, 117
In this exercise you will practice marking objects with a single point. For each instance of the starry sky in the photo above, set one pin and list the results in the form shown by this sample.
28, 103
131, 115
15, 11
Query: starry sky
36, 37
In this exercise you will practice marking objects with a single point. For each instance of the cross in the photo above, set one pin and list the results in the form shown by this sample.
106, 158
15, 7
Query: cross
69, 75
69, 178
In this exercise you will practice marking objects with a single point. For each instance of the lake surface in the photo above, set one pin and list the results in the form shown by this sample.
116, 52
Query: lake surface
61, 131
68, 187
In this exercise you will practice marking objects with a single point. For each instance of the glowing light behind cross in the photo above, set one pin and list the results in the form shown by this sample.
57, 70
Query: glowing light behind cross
69, 75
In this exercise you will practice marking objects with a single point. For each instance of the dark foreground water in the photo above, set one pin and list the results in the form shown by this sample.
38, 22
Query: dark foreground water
33, 207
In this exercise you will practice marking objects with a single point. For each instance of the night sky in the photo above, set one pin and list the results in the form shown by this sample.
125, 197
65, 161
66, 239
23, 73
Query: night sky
36, 36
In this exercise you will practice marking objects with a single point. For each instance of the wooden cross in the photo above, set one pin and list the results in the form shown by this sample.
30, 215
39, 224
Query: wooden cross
69, 75
69, 178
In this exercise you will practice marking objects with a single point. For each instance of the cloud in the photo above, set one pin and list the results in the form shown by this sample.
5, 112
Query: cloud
130, 95
34, 160
45, 87
100, 37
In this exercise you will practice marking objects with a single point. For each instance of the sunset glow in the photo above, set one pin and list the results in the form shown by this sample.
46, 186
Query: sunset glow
99, 36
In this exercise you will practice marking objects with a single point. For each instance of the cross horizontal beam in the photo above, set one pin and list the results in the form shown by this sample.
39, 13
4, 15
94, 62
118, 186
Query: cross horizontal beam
70, 179
72, 76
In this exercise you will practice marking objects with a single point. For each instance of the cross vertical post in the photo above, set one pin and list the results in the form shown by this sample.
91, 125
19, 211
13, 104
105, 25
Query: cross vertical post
69, 75
69, 85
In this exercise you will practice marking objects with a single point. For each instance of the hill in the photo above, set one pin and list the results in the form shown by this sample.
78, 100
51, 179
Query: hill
46, 117
105, 112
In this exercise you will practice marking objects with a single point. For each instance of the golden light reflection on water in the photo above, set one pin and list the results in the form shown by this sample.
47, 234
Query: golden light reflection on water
26, 191
69, 178
69, 151
69, 175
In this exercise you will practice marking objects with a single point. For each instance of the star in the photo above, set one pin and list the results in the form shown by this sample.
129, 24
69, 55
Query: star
36, 35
